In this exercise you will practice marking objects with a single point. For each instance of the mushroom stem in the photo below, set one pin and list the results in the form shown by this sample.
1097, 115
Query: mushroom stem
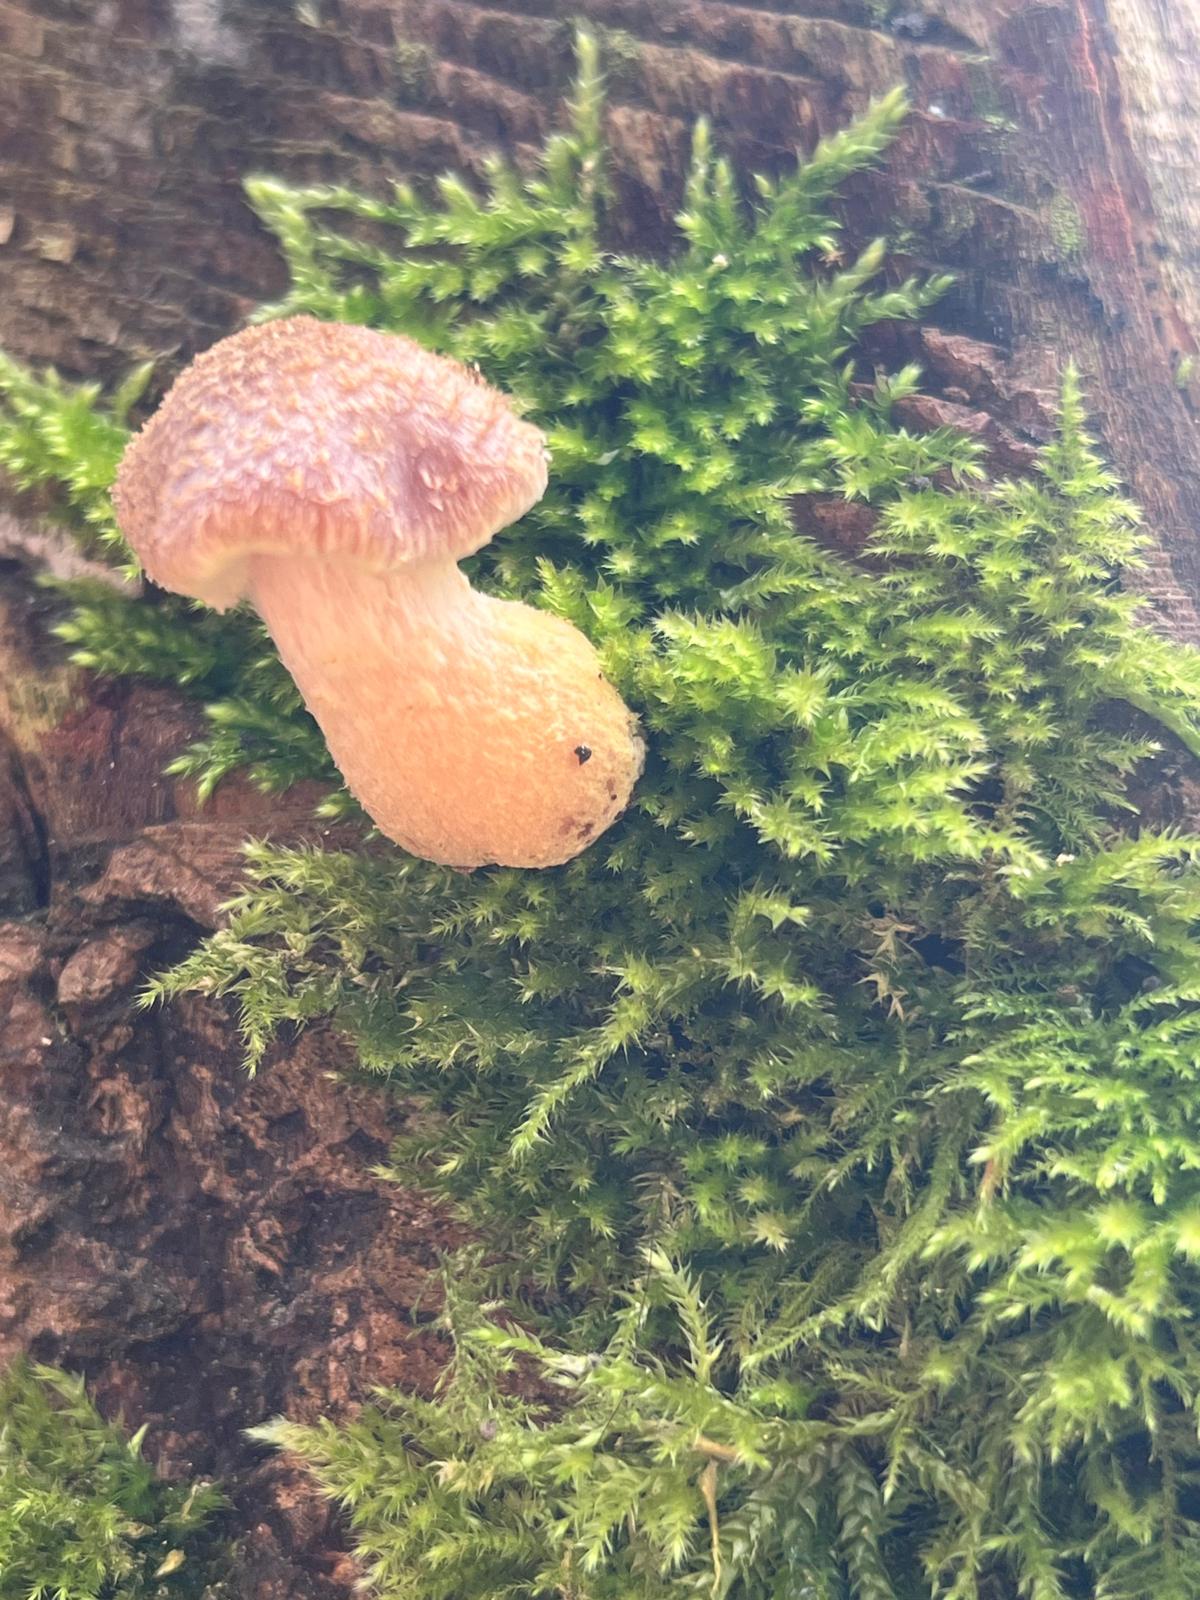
455, 718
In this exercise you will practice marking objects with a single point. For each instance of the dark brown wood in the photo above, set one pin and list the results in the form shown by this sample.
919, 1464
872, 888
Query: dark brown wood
211, 1249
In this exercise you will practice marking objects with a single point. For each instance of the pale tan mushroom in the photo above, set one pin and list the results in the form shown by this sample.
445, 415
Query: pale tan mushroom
336, 476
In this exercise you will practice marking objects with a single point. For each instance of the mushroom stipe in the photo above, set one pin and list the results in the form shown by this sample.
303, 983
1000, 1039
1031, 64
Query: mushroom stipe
335, 476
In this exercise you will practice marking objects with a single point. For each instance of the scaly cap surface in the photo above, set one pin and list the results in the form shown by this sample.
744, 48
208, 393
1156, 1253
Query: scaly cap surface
321, 439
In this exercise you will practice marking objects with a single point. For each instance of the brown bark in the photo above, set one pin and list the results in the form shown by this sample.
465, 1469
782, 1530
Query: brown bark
212, 1249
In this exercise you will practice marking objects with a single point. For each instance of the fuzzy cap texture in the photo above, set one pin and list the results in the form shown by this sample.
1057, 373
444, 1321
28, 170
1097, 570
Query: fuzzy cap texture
325, 439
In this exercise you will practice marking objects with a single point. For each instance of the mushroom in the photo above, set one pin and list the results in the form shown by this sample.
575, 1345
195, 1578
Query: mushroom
336, 476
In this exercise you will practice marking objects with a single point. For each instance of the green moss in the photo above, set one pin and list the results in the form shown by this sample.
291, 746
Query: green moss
1065, 225
82, 1516
957, 214
988, 103
829, 1124
62, 440
414, 65
620, 54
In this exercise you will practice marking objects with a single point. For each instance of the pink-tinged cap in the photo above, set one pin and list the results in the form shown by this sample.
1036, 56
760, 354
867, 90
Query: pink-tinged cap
322, 439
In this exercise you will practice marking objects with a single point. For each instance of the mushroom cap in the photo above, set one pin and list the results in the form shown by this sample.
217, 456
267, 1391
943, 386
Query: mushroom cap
321, 439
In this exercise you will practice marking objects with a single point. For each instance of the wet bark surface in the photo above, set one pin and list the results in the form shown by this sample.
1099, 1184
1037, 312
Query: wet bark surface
212, 1249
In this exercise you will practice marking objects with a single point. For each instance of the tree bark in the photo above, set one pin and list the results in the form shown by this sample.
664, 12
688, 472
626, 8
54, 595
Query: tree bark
211, 1249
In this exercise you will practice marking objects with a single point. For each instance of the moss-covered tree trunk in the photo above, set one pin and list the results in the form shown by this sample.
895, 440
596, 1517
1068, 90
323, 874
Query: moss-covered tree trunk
209, 1249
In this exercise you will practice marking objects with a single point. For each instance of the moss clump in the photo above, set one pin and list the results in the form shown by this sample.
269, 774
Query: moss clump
1065, 225
82, 1516
620, 55
414, 65
830, 1123
64, 442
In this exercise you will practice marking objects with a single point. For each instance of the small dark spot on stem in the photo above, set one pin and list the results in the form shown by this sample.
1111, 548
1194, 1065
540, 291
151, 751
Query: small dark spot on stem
583, 752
